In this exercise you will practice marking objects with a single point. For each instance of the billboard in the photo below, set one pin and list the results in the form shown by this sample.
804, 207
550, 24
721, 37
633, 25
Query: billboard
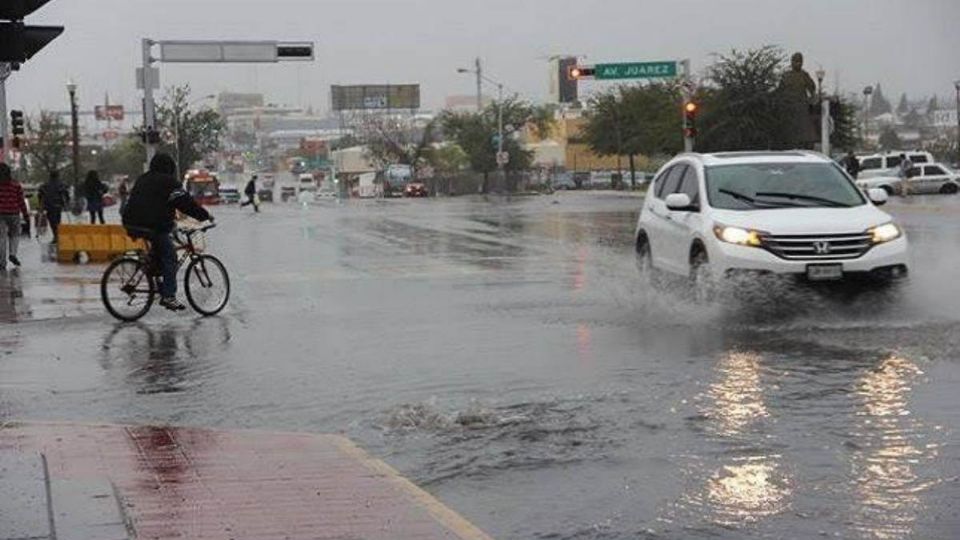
362, 97
108, 112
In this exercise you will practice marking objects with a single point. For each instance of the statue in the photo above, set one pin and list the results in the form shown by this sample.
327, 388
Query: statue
798, 95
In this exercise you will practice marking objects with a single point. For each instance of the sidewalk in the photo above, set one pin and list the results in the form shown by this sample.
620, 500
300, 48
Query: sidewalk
107, 482
35, 291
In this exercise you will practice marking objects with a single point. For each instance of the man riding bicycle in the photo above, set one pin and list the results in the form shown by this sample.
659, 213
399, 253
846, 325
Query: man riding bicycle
150, 213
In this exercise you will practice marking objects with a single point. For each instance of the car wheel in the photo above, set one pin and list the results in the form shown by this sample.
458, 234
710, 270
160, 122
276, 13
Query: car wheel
703, 286
949, 189
644, 259
888, 189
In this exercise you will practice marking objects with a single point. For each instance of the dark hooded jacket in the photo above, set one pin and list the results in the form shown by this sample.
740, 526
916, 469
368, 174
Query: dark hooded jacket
155, 197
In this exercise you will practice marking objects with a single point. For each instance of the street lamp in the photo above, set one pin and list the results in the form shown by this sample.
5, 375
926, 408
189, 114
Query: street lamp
75, 135
956, 84
820, 75
866, 114
176, 128
481, 77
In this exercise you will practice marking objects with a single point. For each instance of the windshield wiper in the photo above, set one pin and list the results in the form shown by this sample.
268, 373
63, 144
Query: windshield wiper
753, 202
802, 197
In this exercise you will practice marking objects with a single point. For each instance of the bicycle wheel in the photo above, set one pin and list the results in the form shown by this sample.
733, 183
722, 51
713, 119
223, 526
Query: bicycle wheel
126, 289
207, 285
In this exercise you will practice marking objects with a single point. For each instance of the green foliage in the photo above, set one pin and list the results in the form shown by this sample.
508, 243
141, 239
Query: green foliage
903, 106
846, 134
878, 103
126, 157
889, 140
48, 148
633, 120
448, 159
199, 132
741, 106
475, 133
389, 141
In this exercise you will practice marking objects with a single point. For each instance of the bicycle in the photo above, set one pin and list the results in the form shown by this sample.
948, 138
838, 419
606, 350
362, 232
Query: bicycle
129, 285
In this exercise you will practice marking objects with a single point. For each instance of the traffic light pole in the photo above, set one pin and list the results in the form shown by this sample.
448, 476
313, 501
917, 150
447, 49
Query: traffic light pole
149, 107
4, 130
686, 76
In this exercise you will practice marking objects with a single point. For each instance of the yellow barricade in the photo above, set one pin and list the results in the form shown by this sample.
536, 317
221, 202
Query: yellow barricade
101, 243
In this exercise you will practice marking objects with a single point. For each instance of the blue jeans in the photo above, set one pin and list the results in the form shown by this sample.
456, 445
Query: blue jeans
165, 254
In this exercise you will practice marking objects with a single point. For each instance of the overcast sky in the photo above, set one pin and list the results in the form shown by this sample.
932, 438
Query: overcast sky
910, 45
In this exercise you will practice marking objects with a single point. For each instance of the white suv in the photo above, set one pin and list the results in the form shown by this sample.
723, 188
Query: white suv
709, 216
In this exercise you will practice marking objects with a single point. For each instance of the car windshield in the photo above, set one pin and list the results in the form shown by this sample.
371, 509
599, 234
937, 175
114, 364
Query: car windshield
752, 186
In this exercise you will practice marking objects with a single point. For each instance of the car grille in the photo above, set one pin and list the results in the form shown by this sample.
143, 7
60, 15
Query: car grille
817, 247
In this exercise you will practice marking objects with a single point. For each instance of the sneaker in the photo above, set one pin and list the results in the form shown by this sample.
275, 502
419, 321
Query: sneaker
15, 260
172, 304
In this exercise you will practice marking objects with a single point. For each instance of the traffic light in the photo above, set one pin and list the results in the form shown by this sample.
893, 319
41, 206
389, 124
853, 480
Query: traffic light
16, 122
575, 73
690, 109
19, 42
567, 88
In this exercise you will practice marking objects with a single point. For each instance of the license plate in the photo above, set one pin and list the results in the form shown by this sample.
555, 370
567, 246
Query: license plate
824, 272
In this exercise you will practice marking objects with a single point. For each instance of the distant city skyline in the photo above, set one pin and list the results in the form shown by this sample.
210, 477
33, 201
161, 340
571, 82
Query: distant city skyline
906, 46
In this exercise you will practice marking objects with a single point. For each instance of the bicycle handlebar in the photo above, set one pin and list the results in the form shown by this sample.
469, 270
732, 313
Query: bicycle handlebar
193, 230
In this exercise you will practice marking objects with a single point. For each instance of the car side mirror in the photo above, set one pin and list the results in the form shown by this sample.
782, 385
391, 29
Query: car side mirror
679, 202
878, 196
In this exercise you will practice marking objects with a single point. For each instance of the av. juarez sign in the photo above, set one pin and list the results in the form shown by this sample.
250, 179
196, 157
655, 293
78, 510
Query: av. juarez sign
636, 70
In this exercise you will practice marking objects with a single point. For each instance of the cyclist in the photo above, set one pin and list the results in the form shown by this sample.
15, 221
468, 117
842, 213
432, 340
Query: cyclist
149, 214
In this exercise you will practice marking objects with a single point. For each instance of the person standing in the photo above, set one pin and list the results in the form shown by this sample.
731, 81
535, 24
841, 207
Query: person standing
124, 191
12, 206
94, 190
251, 192
54, 197
852, 164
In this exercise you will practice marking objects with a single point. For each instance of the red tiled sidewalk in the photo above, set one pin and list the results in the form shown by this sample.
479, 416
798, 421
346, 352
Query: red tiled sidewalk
197, 483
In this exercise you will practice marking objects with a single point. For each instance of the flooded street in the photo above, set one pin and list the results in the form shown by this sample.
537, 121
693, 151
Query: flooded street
504, 355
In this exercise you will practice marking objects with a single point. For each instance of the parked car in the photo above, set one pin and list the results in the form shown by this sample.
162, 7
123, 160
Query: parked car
229, 193
709, 217
921, 179
415, 189
288, 192
563, 181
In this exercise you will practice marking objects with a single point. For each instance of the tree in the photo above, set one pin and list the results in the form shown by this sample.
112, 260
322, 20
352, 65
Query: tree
845, 134
391, 141
198, 133
633, 120
123, 158
889, 140
879, 104
903, 107
932, 106
476, 134
741, 106
912, 119
48, 145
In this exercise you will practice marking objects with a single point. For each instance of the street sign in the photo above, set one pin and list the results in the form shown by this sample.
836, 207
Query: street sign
108, 112
636, 70
194, 51
503, 158
153, 78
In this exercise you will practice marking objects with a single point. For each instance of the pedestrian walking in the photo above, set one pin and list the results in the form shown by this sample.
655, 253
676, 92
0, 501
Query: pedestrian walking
13, 205
54, 197
251, 192
124, 191
904, 174
852, 164
94, 190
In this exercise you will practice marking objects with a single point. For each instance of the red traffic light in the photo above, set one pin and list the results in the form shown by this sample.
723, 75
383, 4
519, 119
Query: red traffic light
579, 72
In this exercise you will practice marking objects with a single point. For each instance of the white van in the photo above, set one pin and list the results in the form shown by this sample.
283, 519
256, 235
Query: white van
306, 182
891, 160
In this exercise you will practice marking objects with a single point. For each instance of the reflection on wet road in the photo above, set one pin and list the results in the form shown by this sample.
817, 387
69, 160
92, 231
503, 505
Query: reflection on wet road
504, 355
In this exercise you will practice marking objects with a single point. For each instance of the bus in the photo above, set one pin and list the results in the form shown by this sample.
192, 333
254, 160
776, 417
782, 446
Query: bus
203, 186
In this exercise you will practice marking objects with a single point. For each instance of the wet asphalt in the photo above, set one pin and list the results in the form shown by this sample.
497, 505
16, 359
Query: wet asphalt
503, 354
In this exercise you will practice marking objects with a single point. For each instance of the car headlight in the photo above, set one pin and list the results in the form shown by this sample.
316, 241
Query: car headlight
737, 235
884, 233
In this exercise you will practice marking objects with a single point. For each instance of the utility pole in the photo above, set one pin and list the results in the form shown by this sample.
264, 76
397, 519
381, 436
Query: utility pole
688, 86
500, 161
479, 72
956, 84
149, 107
4, 130
75, 135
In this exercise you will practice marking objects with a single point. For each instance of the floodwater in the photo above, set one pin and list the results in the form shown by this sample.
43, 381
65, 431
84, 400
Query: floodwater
504, 355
